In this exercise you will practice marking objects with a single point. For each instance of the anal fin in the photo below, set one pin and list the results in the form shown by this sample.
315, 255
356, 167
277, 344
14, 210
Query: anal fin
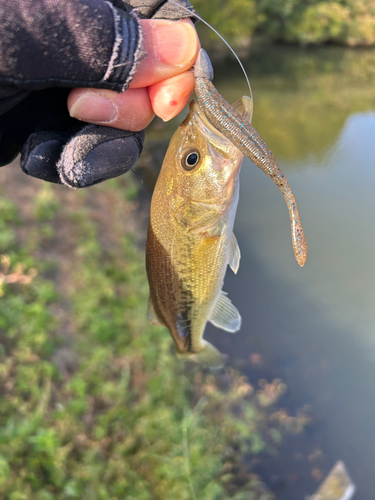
234, 255
225, 315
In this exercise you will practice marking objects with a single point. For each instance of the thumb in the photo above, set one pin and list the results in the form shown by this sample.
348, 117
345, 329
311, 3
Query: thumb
161, 85
171, 49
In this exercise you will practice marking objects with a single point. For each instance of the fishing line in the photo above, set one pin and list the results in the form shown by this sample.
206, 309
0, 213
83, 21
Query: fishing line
193, 13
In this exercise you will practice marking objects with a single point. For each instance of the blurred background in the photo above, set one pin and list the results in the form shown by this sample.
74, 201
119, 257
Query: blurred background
94, 404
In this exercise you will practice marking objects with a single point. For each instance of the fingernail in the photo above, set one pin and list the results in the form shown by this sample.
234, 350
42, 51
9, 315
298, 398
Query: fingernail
172, 110
94, 108
175, 43
169, 116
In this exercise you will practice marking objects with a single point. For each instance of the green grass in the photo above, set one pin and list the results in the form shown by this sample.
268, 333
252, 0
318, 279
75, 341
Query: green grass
93, 400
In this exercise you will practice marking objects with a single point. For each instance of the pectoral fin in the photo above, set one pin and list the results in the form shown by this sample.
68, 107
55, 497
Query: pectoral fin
151, 314
225, 315
234, 255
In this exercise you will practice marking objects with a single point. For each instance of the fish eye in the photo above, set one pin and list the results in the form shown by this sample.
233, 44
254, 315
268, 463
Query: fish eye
191, 159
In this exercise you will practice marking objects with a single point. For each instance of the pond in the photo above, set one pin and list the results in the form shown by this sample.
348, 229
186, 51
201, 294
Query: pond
312, 327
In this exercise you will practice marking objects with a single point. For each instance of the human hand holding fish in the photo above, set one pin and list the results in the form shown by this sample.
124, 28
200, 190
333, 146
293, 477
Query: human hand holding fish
123, 66
162, 84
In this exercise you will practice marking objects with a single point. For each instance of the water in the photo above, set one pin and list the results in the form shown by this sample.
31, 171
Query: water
313, 327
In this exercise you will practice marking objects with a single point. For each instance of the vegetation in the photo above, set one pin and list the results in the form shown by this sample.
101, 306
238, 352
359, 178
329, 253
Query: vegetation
349, 22
94, 405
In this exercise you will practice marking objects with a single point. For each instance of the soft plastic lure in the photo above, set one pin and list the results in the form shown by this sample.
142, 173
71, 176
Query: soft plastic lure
244, 136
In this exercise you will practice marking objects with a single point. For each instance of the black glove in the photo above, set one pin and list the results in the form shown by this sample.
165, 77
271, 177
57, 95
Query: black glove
48, 47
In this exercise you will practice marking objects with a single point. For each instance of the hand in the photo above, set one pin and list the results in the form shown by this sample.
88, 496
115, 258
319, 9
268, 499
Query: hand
162, 84
98, 50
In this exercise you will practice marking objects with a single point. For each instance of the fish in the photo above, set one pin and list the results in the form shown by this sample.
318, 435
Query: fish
190, 240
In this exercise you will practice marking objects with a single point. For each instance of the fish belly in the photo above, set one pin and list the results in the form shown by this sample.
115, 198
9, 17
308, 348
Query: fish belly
186, 273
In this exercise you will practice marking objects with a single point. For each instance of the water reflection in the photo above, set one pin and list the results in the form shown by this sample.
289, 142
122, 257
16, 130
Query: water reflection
302, 97
232, 424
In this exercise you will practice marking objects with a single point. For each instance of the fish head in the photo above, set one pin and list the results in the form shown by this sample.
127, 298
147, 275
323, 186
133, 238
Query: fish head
202, 166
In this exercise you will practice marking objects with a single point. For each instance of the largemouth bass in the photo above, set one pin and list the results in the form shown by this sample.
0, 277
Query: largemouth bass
190, 238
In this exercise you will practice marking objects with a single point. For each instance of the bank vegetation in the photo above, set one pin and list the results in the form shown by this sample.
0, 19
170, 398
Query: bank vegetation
347, 22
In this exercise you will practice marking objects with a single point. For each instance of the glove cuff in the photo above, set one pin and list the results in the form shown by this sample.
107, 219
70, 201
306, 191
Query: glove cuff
127, 48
